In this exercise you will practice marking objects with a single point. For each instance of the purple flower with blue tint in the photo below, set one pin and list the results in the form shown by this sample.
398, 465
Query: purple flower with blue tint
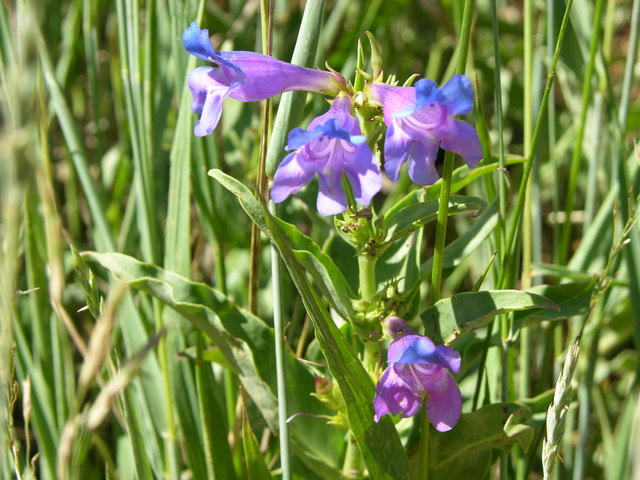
418, 370
330, 147
245, 76
420, 120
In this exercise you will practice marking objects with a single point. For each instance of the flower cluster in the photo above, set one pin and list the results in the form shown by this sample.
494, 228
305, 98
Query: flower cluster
418, 372
419, 120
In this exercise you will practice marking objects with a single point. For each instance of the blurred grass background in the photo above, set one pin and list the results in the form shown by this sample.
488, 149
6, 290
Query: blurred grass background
98, 154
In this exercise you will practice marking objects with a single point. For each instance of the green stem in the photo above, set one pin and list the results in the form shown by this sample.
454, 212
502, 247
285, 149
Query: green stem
352, 460
171, 445
371, 360
445, 191
587, 88
424, 447
517, 214
502, 181
367, 275
281, 384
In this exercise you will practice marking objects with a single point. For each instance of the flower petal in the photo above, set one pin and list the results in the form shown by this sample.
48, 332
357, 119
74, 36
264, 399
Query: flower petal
397, 328
422, 170
427, 92
292, 174
364, 175
398, 147
394, 396
211, 111
460, 137
457, 95
299, 137
413, 349
197, 43
444, 405
449, 358
331, 197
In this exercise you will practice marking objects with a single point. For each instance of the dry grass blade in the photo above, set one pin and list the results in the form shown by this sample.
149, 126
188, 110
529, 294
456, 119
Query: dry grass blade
557, 413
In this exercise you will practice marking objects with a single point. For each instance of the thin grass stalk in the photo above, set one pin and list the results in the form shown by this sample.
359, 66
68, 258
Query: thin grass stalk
557, 413
291, 106
129, 48
443, 215
502, 182
289, 112
517, 214
632, 53
551, 129
527, 100
632, 254
524, 354
281, 384
587, 88
102, 235
266, 24
445, 189
502, 185
584, 402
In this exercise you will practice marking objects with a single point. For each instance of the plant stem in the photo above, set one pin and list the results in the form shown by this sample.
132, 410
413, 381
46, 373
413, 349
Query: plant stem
424, 447
367, 275
587, 96
517, 214
445, 190
283, 426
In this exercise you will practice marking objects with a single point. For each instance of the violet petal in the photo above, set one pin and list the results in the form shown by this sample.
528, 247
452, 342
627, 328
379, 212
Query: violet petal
444, 405
395, 397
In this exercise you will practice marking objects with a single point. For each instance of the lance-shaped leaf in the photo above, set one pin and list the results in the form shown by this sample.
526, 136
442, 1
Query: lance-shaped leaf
464, 452
237, 333
451, 317
417, 215
326, 275
379, 443
242, 338
573, 299
322, 268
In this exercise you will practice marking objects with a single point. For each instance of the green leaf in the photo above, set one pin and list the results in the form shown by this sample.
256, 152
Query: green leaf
452, 317
416, 215
462, 246
326, 275
242, 338
379, 443
237, 333
572, 298
464, 175
464, 452
256, 467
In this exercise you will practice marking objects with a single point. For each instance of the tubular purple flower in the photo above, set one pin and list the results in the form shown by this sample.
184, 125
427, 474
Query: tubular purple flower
418, 370
420, 120
245, 76
332, 145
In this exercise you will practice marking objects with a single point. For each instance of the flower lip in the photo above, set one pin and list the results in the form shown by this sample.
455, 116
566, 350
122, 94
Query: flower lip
244, 76
420, 120
196, 41
331, 147
417, 372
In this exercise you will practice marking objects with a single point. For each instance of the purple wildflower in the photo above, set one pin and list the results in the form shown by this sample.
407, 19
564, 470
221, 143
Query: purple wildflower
332, 145
420, 119
418, 370
245, 76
